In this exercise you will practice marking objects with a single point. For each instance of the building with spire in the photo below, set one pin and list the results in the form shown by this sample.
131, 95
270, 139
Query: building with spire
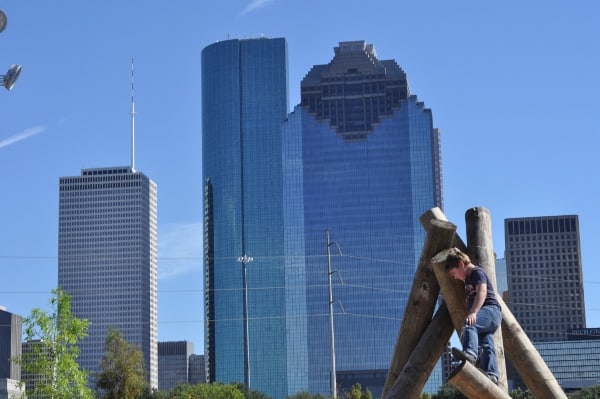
107, 257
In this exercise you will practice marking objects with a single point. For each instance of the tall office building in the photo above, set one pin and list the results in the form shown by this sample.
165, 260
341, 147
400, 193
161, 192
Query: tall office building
545, 280
361, 159
107, 259
174, 364
244, 102
358, 156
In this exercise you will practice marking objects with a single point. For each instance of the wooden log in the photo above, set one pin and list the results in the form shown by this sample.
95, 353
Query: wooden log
424, 292
452, 290
517, 346
410, 382
526, 359
480, 248
474, 384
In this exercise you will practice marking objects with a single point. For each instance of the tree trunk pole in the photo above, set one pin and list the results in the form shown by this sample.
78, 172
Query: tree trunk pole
453, 290
420, 364
480, 248
526, 359
424, 293
474, 384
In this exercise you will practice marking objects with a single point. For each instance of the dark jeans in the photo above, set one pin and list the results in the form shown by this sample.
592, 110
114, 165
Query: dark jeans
482, 335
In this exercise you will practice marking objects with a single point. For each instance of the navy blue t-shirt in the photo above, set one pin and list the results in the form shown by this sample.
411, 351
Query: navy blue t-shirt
477, 277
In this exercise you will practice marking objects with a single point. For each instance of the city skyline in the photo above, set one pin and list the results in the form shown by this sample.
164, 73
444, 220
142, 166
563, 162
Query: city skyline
491, 73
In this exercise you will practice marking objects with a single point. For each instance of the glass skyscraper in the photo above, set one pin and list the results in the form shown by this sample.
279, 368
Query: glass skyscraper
359, 156
107, 259
244, 103
362, 159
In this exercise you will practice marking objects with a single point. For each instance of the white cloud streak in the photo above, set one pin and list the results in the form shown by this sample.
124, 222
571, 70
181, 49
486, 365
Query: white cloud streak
25, 134
180, 249
255, 5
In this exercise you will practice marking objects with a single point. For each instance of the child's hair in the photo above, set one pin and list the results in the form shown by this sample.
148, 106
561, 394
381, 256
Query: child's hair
455, 255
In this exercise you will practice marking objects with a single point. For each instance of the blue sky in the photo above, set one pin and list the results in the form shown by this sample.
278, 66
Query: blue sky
513, 87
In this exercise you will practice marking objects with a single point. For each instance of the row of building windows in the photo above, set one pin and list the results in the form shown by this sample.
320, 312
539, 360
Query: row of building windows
537, 226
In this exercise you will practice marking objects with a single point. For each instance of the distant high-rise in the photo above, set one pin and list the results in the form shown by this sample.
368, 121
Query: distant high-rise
174, 364
545, 280
244, 103
11, 326
10, 348
107, 259
362, 159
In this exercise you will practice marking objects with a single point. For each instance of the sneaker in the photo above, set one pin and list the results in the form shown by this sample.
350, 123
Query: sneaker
493, 378
463, 356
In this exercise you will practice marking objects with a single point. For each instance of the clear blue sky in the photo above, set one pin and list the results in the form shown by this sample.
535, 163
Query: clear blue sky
513, 87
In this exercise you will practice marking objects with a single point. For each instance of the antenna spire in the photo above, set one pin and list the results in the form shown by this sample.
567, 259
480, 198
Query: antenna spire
132, 121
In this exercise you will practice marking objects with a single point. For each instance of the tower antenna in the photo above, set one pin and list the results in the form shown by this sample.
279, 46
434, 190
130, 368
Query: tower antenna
132, 121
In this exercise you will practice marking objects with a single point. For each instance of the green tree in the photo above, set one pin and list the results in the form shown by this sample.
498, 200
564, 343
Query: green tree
52, 354
448, 391
520, 394
251, 394
306, 395
356, 392
206, 391
587, 393
122, 375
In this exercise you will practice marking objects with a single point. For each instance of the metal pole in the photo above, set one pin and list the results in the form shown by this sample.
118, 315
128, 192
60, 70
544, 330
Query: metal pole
331, 331
244, 260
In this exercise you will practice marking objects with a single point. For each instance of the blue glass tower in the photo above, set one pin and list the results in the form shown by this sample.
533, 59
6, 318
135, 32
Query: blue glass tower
362, 159
244, 103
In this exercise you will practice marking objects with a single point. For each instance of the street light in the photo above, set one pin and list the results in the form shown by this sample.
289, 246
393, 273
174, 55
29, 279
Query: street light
244, 260
8, 80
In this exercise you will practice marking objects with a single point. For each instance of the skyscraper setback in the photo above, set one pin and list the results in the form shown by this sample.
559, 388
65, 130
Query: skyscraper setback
107, 259
361, 158
358, 156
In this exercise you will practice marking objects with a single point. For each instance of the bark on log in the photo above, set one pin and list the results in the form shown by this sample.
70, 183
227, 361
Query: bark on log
526, 359
418, 368
474, 384
452, 290
480, 248
424, 293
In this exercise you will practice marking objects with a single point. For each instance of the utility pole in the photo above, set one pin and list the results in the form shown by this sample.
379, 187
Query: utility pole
331, 331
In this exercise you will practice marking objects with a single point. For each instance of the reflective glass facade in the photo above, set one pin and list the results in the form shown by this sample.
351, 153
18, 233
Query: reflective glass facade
361, 158
244, 102
107, 259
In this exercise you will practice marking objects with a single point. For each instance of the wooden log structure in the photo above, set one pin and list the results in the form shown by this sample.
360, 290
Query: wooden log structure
452, 290
526, 359
410, 382
474, 384
423, 297
480, 248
